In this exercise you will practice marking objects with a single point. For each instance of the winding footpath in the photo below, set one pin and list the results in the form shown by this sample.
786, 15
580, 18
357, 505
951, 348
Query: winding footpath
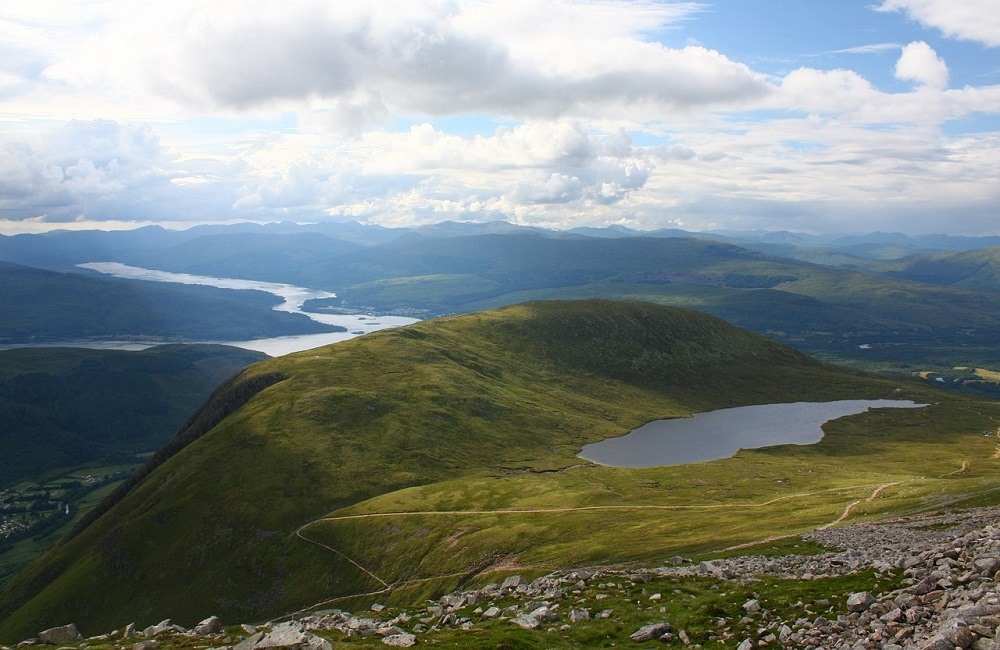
387, 587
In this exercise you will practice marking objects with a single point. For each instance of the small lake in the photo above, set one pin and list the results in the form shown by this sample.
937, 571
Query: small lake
720, 434
292, 300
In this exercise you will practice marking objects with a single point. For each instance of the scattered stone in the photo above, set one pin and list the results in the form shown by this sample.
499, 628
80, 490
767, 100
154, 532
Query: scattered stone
403, 640
149, 644
291, 635
211, 625
577, 615
512, 583
492, 612
527, 622
60, 635
650, 632
859, 601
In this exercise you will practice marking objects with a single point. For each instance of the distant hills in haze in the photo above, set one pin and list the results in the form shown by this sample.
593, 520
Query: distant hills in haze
883, 300
41, 306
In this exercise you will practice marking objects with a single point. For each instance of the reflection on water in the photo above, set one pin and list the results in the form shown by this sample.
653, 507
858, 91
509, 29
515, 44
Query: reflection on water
293, 298
721, 433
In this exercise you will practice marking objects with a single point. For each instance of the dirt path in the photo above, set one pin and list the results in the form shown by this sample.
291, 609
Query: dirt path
842, 517
532, 511
388, 588
965, 466
847, 512
298, 533
878, 490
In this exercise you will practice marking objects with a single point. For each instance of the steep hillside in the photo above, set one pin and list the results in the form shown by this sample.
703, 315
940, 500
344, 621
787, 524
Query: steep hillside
977, 269
61, 407
481, 411
40, 305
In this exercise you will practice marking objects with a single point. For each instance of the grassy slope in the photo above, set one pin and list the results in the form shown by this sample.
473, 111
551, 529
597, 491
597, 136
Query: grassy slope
44, 306
977, 269
65, 406
469, 410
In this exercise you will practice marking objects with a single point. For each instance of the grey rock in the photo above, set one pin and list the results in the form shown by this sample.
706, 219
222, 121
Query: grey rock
513, 582
148, 644
650, 632
60, 635
746, 644
404, 640
577, 615
987, 566
291, 635
544, 615
527, 622
752, 606
492, 612
859, 601
957, 633
211, 625
938, 642
129, 631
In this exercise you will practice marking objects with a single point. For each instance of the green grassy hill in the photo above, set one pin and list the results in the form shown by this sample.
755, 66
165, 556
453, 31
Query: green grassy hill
40, 305
60, 407
467, 428
976, 269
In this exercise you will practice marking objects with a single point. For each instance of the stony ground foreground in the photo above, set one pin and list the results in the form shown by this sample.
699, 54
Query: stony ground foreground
948, 598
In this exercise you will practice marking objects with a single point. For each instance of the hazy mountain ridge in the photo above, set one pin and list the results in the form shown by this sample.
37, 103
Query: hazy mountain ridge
41, 305
976, 269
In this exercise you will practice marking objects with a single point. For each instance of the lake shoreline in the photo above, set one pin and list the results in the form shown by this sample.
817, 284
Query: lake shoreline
714, 435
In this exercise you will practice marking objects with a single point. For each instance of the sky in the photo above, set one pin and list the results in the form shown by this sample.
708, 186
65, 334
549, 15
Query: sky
823, 116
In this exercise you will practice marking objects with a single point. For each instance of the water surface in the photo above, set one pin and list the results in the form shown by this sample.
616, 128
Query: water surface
292, 300
721, 433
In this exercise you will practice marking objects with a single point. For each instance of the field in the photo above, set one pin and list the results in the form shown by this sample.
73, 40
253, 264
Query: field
436, 537
24, 536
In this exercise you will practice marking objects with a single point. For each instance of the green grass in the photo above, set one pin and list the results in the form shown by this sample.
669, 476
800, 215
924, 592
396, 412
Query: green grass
486, 412
62, 407
694, 510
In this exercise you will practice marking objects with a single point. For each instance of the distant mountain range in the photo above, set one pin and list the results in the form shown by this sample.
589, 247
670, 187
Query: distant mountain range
41, 306
883, 300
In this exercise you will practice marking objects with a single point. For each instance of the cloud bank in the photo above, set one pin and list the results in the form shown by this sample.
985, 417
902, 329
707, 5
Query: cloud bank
558, 113
973, 20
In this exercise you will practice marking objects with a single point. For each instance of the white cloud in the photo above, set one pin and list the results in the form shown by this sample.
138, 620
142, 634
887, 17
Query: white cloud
920, 63
972, 20
97, 170
260, 111
524, 59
